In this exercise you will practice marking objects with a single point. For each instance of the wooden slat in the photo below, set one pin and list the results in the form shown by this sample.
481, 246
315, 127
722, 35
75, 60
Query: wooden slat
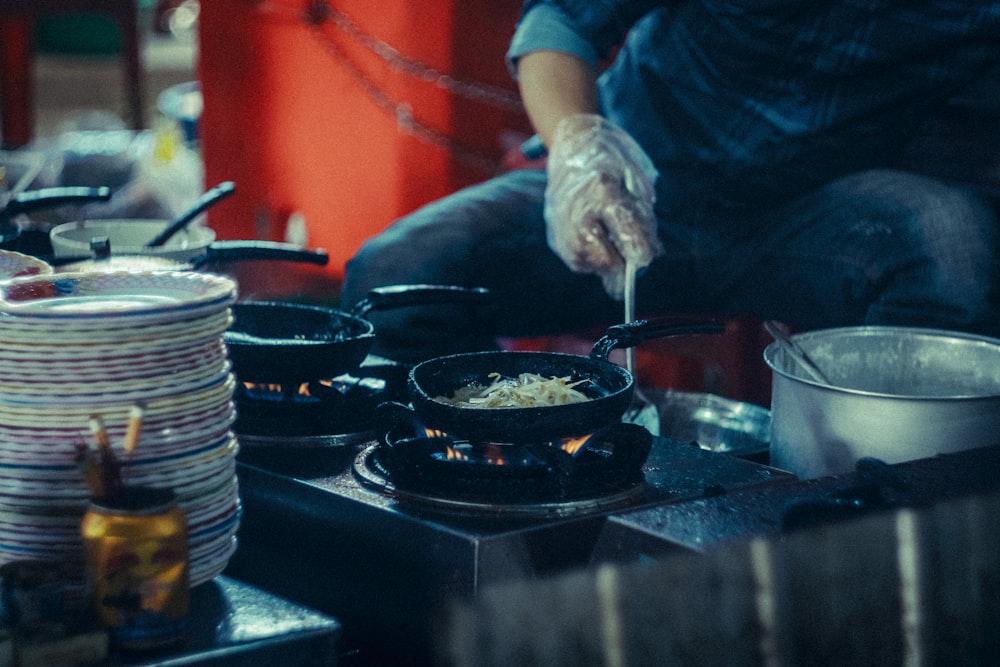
910, 587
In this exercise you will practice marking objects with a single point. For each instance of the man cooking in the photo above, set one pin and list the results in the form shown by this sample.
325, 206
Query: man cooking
749, 156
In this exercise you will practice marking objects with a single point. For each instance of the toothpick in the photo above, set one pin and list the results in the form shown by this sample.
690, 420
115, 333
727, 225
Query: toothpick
135, 417
100, 433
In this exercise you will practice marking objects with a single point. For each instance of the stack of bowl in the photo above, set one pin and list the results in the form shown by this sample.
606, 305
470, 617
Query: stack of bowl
76, 346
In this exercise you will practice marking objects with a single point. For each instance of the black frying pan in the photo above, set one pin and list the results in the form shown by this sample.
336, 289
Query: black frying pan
277, 342
608, 385
31, 241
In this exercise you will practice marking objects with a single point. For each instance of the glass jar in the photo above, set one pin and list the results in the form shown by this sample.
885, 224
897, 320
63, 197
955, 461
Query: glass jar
136, 547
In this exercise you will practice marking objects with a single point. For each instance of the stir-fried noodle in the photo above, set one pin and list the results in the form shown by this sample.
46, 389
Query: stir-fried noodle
527, 390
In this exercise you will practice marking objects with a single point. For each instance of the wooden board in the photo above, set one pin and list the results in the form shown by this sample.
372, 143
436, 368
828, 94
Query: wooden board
909, 587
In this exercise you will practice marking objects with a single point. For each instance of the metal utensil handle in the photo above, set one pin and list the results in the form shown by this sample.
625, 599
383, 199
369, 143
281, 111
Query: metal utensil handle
796, 352
631, 334
630, 273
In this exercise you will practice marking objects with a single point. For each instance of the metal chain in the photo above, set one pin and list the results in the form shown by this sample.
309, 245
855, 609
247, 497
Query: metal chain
403, 114
319, 13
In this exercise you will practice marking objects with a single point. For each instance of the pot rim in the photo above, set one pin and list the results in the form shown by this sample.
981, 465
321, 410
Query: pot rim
198, 238
772, 352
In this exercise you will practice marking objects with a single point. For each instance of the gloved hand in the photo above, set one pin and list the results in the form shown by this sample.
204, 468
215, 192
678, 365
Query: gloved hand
599, 200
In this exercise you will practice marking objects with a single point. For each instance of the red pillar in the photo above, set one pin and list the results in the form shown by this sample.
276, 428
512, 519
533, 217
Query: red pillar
347, 119
16, 89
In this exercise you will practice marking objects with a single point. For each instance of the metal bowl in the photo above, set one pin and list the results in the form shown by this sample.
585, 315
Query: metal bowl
717, 424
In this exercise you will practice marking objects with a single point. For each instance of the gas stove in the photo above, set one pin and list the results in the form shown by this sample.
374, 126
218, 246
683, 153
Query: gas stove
319, 530
329, 523
374, 521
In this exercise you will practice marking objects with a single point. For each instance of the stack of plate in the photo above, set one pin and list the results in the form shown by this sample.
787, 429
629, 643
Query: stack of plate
77, 345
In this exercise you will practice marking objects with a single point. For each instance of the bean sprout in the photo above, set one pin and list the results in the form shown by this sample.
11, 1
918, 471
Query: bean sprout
527, 390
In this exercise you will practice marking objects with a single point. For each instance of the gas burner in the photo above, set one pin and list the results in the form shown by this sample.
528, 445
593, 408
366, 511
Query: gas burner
327, 412
535, 480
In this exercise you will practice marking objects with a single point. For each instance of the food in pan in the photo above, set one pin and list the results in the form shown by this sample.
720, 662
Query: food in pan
527, 390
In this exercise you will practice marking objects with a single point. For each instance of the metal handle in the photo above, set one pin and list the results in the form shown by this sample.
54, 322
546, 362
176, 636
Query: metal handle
633, 333
795, 351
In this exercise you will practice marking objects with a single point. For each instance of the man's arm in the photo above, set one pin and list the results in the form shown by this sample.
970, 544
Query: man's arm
554, 85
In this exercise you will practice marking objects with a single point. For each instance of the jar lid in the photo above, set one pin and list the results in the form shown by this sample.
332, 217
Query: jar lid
137, 499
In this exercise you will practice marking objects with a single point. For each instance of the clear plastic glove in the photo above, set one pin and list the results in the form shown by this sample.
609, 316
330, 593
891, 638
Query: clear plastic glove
599, 200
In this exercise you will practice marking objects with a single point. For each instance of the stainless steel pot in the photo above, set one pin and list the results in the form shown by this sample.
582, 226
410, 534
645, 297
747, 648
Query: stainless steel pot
191, 247
896, 394
129, 237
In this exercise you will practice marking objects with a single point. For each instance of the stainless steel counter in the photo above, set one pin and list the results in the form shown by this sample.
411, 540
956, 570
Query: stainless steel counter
234, 624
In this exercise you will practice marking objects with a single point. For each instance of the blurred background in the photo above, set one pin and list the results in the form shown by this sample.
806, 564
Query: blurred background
77, 65
332, 118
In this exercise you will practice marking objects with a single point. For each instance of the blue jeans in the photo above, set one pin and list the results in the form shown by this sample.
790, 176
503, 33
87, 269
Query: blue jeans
877, 247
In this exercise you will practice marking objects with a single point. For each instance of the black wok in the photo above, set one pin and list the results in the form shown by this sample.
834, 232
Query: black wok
276, 342
608, 385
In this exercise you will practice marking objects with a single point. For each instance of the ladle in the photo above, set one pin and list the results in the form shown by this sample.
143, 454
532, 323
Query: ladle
210, 198
796, 352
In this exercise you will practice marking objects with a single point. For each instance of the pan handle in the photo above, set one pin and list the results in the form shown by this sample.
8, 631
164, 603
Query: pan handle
229, 251
32, 200
396, 296
631, 334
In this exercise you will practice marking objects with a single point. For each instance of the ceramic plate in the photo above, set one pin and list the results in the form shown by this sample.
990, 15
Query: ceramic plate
115, 394
126, 296
174, 436
26, 488
17, 265
111, 370
77, 414
27, 336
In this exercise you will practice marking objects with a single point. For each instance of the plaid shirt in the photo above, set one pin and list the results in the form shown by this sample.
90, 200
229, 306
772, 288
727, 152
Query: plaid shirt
743, 103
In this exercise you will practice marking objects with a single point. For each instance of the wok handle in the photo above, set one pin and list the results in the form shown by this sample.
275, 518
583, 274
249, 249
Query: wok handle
396, 296
631, 334
32, 200
228, 251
